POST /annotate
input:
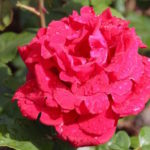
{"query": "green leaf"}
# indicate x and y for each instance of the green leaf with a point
(144, 136)
(101, 147)
(17, 145)
(6, 14)
(5, 73)
(120, 141)
(7, 47)
(141, 24)
(146, 147)
(24, 37)
(22, 70)
(134, 142)
(116, 147)
(9, 42)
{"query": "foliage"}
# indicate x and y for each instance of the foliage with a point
(8, 49)
(141, 24)
(6, 13)
(122, 141)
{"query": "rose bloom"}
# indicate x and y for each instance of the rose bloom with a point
(84, 73)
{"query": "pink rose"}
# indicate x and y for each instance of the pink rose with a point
(84, 72)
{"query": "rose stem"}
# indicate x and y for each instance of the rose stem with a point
(29, 8)
(42, 14)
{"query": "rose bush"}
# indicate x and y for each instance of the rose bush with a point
(84, 73)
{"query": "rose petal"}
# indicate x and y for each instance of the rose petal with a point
(98, 124)
(69, 133)
(120, 87)
(29, 99)
(94, 104)
(98, 46)
(51, 116)
(134, 102)
(131, 106)
(46, 79)
(28, 108)
(97, 84)
(146, 62)
(64, 98)
(106, 14)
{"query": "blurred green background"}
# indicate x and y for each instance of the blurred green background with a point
(17, 27)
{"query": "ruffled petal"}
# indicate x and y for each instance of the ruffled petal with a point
(70, 133)
(120, 87)
(51, 116)
(31, 101)
(135, 102)
(65, 98)
(94, 104)
(98, 124)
